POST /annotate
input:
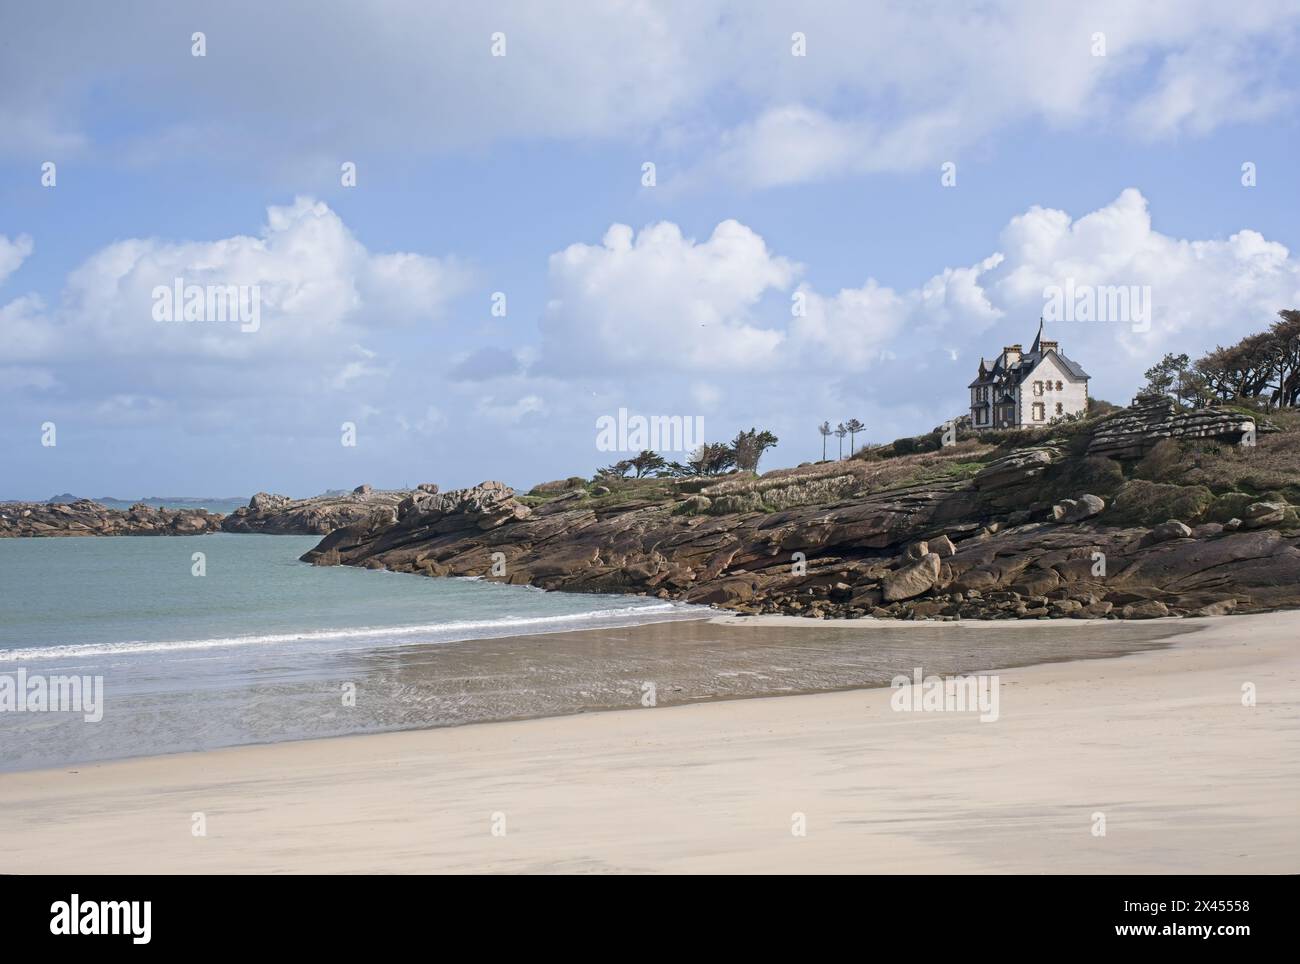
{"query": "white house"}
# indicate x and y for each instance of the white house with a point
(1019, 389)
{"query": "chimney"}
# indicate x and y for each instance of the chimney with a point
(1045, 345)
(1010, 355)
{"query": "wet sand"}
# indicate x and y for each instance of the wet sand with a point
(1187, 778)
(191, 702)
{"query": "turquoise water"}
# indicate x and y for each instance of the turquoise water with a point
(264, 649)
(254, 650)
(90, 599)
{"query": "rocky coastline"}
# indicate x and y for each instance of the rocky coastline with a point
(280, 515)
(87, 518)
(1073, 521)
(1149, 511)
(265, 513)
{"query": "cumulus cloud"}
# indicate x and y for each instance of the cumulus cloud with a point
(656, 297)
(658, 301)
(1202, 291)
(13, 254)
(316, 289)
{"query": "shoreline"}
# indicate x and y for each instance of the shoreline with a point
(510, 676)
(1188, 779)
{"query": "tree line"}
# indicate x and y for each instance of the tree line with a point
(1262, 367)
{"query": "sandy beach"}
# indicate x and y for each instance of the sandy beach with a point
(1159, 742)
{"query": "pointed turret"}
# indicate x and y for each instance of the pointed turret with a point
(1038, 339)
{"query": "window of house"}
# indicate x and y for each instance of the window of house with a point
(1060, 409)
(1059, 386)
(1038, 388)
(1038, 411)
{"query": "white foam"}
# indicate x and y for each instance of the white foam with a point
(444, 632)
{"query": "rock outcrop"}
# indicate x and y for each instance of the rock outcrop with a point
(280, 515)
(975, 532)
(1151, 418)
(86, 518)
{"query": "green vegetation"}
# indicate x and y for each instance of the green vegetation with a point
(1150, 503)
(1263, 367)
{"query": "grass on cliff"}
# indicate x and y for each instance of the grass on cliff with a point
(605, 494)
(1193, 480)
(1271, 466)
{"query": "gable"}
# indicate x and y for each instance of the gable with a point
(1051, 366)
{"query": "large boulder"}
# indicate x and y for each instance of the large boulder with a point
(1173, 529)
(1261, 514)
(943, 546)
(1145, 609)
(1015, 469)
(913, 579)
(1076, 510)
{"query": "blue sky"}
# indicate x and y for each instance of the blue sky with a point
(775, 174)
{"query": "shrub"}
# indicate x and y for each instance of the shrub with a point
(1139, 502)
(1165, 461)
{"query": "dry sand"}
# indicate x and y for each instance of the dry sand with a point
(1189, 780)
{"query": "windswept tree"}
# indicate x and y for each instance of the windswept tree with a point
(616, 471)
(748, 447)
(1286, 336)
(647, 462)
(1167, 375)
(854, 427)
(1264, 366)
(841, 430)
(825, 429)
(711, 458)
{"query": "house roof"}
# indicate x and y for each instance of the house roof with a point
(1013, 374)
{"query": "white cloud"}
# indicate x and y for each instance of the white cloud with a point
(884, 86)
(660, 302)
(849, 329)
(511, 411)
(317, 288)
(660, 299)
(361, 366)
(27, 331)
(1205, 86)
(1202, 291)
(13, 254)
(890, 88)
